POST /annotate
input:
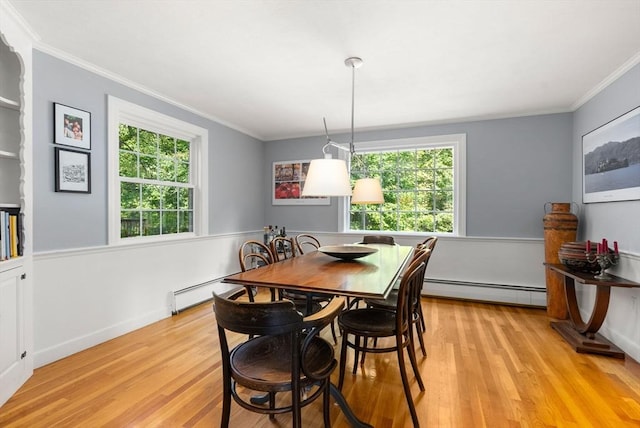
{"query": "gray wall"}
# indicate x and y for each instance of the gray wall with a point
(514, 166)
(68, 220)
(617, 221)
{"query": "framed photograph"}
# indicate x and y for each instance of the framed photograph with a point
(611, 160)
(72, 127)
(288, 181)
(73, 171)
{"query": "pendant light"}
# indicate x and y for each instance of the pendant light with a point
(330, 177)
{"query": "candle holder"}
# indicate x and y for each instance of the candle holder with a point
(605, 261)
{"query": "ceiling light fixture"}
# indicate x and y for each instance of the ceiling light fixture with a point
(330, 177)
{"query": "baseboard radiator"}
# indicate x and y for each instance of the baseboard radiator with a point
(194, 295)
(486, 292)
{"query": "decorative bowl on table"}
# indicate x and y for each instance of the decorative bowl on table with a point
(573, 256)
(347, 252)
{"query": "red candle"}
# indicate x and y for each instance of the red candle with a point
(599, 248)
(588, 246)
(615, 247)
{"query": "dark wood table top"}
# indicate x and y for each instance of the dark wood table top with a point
(369, 277)
(588, 278)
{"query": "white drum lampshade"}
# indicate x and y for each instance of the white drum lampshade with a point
(367, 191)
(327, 177)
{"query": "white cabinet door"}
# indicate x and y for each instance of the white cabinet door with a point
(13, 367)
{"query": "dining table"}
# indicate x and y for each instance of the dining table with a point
(371, 276)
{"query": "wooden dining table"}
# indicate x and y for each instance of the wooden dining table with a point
(371, 276)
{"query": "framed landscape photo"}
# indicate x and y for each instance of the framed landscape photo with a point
(611, 160)
(287, 184)
(73, 171)
(72, 127)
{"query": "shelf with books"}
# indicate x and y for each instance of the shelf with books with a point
(10, 233)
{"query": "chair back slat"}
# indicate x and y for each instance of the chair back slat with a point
(283, 248)
(306, 242)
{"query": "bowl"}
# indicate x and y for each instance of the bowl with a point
(572, 255)
(347, 252)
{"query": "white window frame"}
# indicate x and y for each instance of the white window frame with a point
(120, 111)
(459, 144)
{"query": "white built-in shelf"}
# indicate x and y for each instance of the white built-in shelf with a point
(6, 102)
(3, 205)
(9, 155)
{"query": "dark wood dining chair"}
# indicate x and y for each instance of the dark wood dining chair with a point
(285, 356)
(252, 255)
(306, 242)
(285, 248)
(364, 323)
(378, 239)
(391, 302)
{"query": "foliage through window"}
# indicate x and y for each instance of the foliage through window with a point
(156, 196)
(419, 187)
(157, 179)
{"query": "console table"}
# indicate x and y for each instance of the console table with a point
(583, 336)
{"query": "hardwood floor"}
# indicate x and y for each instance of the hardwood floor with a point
(487, 366)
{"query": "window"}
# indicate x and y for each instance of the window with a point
(422, 181)
(157, 177)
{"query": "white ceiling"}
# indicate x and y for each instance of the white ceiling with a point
(274, 68)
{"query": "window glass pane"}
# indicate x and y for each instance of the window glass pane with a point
(169, 222)
(129, 224)
(185, 221)
(151, 223)
(166, 169)
(128, 164)
(425, 179)
(149, 167)
(444, 222)
(148, 142)
(185, 198)
(183, 150)
(150, 197)
(128, 137)
(444, 200)
(406, 222)
(406, 201)
(444, 158)
(129, 195)
(182, 173)
(407, 179)
(169, 198)
(167, 146)
(426, 223)
(407, 159)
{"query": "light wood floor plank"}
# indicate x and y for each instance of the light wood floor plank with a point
(487, 366)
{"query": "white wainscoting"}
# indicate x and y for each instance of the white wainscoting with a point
(87, 296)
(504, 270)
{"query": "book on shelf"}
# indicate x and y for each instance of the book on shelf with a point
(10, 233)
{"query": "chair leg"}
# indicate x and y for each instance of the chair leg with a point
(414, 363)
(325, 404)
(405, 384)
(249, 292)
(420, 333)
(356, 341)
(343, 359)
(424, 327)
(226, 404)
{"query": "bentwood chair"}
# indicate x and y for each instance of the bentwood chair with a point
(252, 255)
(390, 303)
(306, 243)
(376, 323)
(285, 356)
(307, 302)
(378, 239)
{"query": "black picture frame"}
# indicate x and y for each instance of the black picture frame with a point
(72, 127)
(72, 171)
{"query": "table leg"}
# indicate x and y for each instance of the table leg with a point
(583, 335)
(344, 406)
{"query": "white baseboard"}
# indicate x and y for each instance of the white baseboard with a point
(486, 292)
